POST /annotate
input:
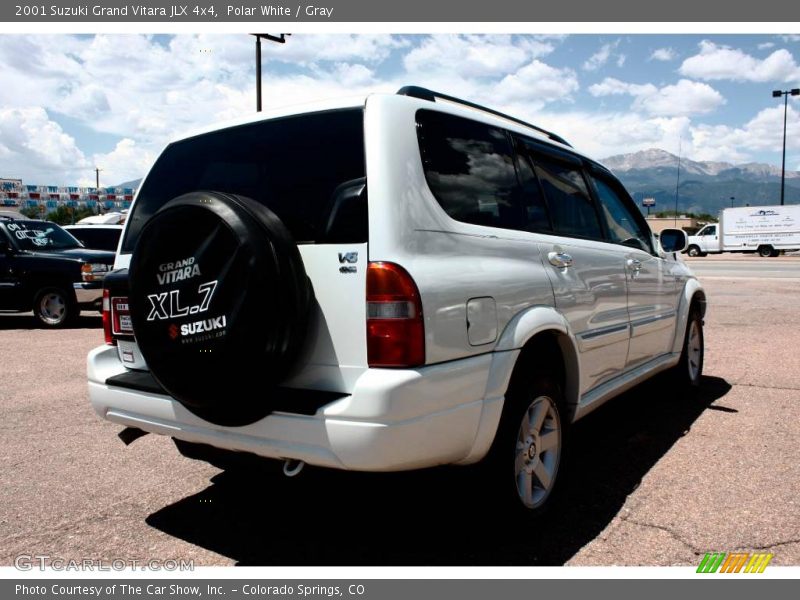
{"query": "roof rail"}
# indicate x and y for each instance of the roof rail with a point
(425, 94)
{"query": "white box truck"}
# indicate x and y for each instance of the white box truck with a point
(767, 230)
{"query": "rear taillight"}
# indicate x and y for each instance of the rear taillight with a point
(107, 318)
(121, 316)
(116, 317)
(395, 329)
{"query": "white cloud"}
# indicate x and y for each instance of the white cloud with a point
(473, 55)
(536, 83)
(128, 160)
(766, 46)
(664, 54)
(681, 99)
(616, 133)
(764, 132)
(722, 62)
(34, 147)
(602, 56)
(614, 87)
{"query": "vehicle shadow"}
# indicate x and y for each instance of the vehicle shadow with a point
(86, 320)
(438, 516)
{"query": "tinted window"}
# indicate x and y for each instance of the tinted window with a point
(622, 224)
(98, 239)
(571, 208)
(40, 235)
(469, 167)
(291, 165)
(532, 199)
(710, 230)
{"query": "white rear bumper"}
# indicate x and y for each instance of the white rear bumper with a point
(393, 420)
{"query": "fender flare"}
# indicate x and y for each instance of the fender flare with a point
(691, 289)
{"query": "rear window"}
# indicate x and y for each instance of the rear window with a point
(295, 166)
(469, 167)
(98, 239)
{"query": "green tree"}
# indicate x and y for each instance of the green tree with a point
(32, 212)
(66, 215)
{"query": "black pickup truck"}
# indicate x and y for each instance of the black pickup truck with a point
(45, 269)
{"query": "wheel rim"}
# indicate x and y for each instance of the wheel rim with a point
(694, 351)
(52, 308)
(538, 452)
(693, 252)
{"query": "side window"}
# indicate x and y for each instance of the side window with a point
(710, 230)
(623, 227)
(568, 200)
(534, 208)
(469, 167)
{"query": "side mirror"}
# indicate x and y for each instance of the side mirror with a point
(673, 240)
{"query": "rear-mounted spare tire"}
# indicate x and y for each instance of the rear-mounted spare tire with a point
(219, 301)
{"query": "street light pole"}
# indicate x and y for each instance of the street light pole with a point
(785, 94)
(280, 39)
(732, 199)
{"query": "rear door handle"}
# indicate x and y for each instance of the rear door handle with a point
(560, 259)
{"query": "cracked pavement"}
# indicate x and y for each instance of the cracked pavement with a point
(732, 483)
(653, 479)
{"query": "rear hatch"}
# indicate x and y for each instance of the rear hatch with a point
(310, 171)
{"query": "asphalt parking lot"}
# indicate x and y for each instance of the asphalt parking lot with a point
(655, 478)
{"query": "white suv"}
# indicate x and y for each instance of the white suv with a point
(407, 281)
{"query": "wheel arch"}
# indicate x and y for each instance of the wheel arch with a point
(693, 295)
(537, 332)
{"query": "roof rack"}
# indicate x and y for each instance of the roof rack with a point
(422, 93)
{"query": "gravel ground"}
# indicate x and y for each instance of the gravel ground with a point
(653, 479)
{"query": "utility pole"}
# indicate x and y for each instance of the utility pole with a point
(280, 39)
(97, 186)
(785, 94)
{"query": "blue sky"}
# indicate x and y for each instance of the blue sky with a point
(69, 102)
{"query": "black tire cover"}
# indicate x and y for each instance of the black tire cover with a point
(219, 301)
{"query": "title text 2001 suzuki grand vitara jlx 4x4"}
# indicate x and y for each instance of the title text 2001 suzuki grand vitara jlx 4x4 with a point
(407, 282)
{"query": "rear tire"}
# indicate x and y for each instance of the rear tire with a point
(54, 308)
(523, 466)
(765, 251)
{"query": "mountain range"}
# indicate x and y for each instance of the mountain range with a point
(705, 186)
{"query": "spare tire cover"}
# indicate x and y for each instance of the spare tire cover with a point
(219, 302)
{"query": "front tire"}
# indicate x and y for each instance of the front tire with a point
(54, 308)
(693, 251)
(527, 455)
(689, 370)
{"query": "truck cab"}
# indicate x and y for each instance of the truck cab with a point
(705, 241)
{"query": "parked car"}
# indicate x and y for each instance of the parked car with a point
(97, 237)
(45, 269)
(109, 218)
(388, 285)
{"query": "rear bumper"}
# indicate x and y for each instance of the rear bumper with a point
(393, 420)
(88, 293)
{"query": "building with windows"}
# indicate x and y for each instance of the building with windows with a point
(16, 195)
